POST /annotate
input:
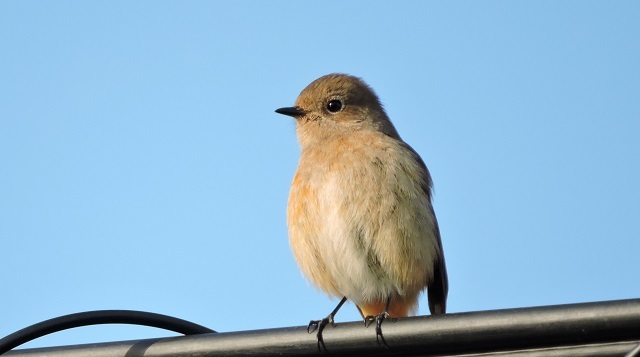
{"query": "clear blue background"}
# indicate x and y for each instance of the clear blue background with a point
(142, 165)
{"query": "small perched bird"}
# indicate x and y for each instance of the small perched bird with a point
(361, 224)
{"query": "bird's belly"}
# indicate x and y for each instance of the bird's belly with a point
(357, 237)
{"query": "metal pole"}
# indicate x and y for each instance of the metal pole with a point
(610, 328)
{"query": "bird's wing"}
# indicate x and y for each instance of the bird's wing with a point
(438, 287)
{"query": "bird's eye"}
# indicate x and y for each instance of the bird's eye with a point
(334, 106)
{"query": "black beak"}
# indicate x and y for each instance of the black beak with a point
(291, 111)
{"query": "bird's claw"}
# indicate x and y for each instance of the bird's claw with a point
(379, 319)
(313, 325)
(368, 320)
(320, 325)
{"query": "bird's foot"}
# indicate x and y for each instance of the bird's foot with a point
(379, 319)
(320, 325)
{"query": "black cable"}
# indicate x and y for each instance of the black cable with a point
(100, 317)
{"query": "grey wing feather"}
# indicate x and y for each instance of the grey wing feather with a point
(438, 287)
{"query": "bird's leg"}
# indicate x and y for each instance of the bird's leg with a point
(379, 319)
(320, 324)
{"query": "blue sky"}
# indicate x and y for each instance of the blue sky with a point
(143, 167)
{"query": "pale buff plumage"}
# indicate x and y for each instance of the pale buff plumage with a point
(360, 219)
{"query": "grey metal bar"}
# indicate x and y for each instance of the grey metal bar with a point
(610, 328)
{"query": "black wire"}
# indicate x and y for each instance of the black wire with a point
(100, 317)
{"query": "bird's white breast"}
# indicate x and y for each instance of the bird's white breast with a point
(360, 223)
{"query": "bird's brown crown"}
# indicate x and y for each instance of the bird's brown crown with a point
(343, 99)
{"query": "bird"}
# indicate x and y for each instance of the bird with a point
(360, 218)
